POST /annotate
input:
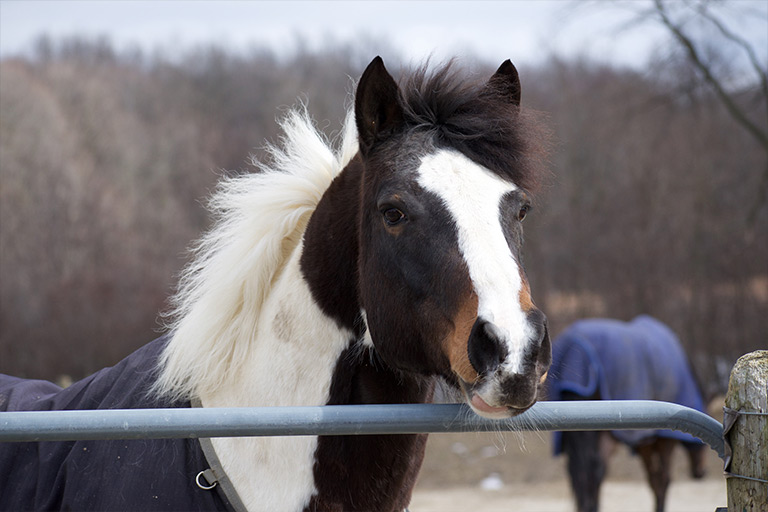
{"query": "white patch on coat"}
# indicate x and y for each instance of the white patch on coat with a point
(245, 330)
(276, 473)
(473, 196)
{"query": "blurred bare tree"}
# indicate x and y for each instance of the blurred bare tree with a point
(105, 158)
(712, 57)
(647, 212)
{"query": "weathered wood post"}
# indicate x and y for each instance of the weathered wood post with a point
(746, 408)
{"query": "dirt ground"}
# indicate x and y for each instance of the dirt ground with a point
(483, 472)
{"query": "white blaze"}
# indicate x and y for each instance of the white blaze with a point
(473, 196)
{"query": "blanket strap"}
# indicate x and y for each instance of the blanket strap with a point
(215, 475)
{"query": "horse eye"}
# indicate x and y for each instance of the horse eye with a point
(523, 212)
(393, 216)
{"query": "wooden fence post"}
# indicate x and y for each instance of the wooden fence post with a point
(747, 406)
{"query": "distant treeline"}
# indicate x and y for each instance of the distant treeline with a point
(106, 158)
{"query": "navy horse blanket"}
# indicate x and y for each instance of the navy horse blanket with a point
(613, 360)
(130, 475)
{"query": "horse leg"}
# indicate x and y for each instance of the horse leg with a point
(607, 446)
(586, 467)
(656, 457)
(697, 458)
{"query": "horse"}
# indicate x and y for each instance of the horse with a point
(362, 271)
(608, 359)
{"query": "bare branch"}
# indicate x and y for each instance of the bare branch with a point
(749, 49)
(736, 112)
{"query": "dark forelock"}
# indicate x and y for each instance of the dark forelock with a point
(476, 119)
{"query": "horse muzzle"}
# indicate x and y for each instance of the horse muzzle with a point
(508, 381)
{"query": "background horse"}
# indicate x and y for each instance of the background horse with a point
(353, 276)
(612, 360)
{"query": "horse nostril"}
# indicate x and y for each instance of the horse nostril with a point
(545, 349)
(538, 321)
(486, 347)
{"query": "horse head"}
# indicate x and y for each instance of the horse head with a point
(446, 184)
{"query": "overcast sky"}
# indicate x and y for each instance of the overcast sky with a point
(524, 31)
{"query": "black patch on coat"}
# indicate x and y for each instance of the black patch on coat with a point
(369, 472)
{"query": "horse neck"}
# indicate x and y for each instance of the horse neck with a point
(294, 351)
(308, 317)
(330, 255)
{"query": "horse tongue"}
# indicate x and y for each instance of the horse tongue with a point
(480, 404)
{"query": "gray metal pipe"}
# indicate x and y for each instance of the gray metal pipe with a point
(352, 420)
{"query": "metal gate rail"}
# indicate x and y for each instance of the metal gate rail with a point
(352, 420)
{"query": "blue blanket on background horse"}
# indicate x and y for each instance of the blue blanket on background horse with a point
(614, 360)
(144, 474)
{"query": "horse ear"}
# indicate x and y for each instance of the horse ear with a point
(507, 82)
(377, 108)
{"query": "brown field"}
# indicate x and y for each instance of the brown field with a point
(483, 472)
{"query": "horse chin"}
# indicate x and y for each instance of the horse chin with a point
(482, 408)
